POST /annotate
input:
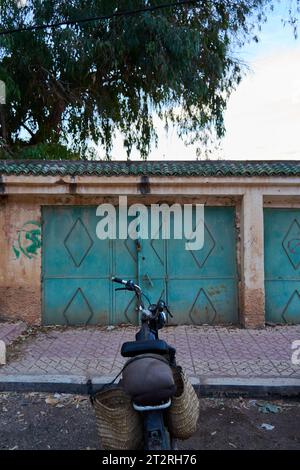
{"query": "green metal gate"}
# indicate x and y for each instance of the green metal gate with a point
(200, 286)
(282, 265)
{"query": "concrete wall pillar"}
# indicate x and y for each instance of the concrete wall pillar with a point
(3, 244)
(252, 237)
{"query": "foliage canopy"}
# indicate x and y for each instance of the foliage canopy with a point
(72, 87)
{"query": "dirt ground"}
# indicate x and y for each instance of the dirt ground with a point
(60, 421)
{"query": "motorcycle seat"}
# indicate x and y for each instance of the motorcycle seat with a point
(154, 346)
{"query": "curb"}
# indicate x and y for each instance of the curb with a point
(253, 387)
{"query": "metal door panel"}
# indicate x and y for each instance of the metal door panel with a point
(282, 265)
(71, 247)
(124, 266)
(203, 301)
(202, 285)
(218, 255)
(77, 268)
(76, 301)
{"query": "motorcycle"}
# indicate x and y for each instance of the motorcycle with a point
(153, 410)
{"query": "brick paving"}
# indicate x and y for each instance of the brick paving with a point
(9, 332)
(202, 351)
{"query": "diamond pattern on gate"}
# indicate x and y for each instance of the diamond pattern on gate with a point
(291, 244)
(201, 256)
(131, 309)
(78, 311)
(78, 242)
(291, 312)
(157, 247)
(203, 310)
(131, 245)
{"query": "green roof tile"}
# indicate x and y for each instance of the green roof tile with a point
(217, 168)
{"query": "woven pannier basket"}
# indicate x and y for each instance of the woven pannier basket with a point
(119, 426)
(183, 413)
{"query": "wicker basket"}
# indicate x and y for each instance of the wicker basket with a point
(119, 426)
(183, 414)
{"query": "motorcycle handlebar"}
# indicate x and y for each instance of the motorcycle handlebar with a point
(120, 281)
(129, 285)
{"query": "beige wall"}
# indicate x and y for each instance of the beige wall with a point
(20, 274)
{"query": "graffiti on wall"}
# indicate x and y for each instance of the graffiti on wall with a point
(28, 240)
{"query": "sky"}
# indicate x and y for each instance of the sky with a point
(262, 119)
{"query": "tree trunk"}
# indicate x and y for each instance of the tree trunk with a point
(49, 127)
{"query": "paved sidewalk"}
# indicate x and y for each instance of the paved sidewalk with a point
(202, 351)
(9, 332)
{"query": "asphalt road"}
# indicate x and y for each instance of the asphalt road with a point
(43, 421)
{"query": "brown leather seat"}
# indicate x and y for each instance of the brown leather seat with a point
(148, 379)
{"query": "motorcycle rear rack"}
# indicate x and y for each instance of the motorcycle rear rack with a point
(163, 406)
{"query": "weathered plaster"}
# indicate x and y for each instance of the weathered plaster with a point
(45, 200)
(291, 202)
(103, 185)
(252, 233)
(21, 303)
(21, 262)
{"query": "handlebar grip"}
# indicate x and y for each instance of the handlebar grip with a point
(120, 281)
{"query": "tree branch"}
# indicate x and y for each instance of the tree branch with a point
(27, 129)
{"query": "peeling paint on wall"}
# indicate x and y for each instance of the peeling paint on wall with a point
(28, 240)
